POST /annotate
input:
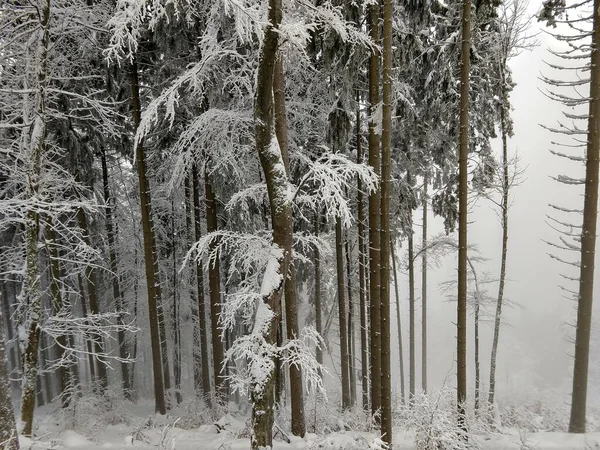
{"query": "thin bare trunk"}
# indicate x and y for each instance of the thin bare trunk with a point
(175, 312)
(339, 246)
(351, 340)
(477, 371)
(362, 292)
(88, 342)
(588, 241)
(424, 290)
(399, 321)
(318, 312)
(411, 314)
(90, 278)
(116, 288)
(504, 214)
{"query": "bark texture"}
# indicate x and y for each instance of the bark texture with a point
(8, 430)
(272, 164)
(588, 241)
(150, 256)
(461, 322)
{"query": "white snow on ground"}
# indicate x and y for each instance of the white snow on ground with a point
(142, 430)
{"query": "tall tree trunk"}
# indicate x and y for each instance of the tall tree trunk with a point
(175, 312)
(339, 247)
(90, 277)
(202, 330)
(193, 285)
(461, 308)
(214, 284)
(386, 179)
(350, 323)
(150, 256)
(57, 306)
(291, 312)
(399, 320)
(476, 338)
(162, 328)
(318, 307)
(411, 313)
(271, 161)
(9, 439)
(588, 241)
(116, 288)
(374, 218)
(362, 291)
(30, 291)
(424, 290)
(504, 217)
(88, 342)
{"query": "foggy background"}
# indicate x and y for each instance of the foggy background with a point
(534, 356)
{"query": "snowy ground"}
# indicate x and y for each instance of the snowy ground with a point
(142, 430)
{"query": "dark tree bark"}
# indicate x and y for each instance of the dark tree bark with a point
(214, 284)
(386, 179)
(374, 219)
(350, 324)
(339, 251)
(463, 152)
(150, 255)
(411, 312)
(588, 241)
(175, 312)
(362, 291)
(291, 313)
(271, 161)
(88, 342)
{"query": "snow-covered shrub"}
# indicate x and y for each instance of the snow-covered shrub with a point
(433, 419)
(537, 410)
(90, 413)
(325, 416)
(348, 441)
(193, 412)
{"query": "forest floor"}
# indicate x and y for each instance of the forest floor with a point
(137, 428)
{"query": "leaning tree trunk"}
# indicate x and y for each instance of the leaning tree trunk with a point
(271, 161)
(399, 320)
(374, 218)
(588, 241)
(362, 292)
(150, 256)
(504, 218)
(339, 252)
(9, 439)
(386, 180)
(461, 308)
(116, 288)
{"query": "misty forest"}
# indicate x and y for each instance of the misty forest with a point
(299, 224)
